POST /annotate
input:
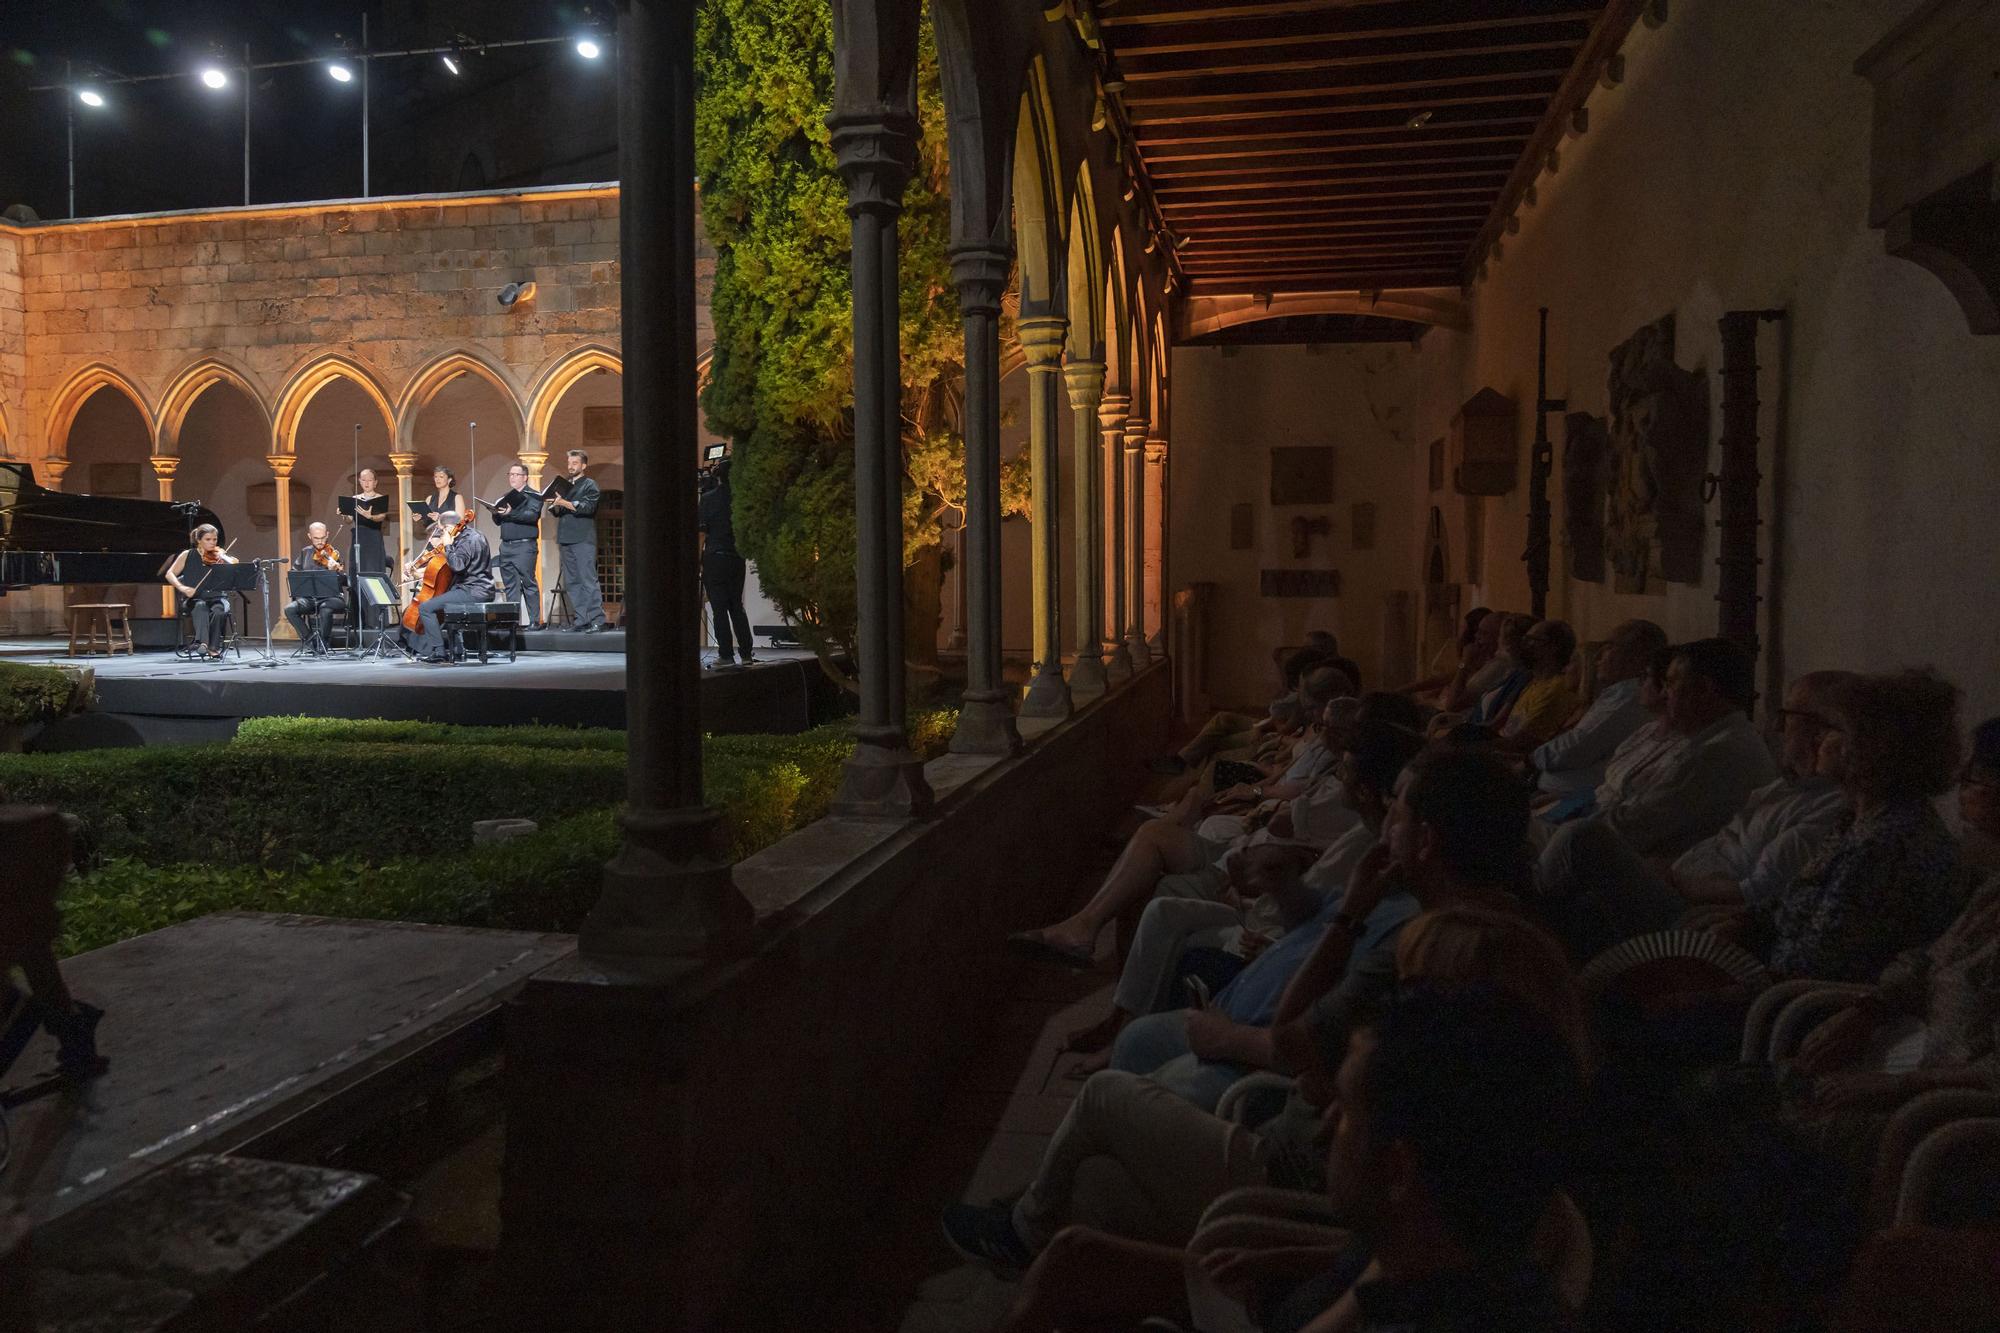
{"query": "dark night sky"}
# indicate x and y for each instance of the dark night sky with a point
(174, 144)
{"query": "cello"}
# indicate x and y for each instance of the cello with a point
(434, 580)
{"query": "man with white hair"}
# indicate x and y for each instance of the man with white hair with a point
(312, 618)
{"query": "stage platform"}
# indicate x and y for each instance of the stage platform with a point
(256, 1034)
(160, 700)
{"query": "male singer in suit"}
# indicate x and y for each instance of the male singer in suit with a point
(576, 539)
(520, 526)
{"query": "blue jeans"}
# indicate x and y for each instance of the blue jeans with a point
(1156, 1045)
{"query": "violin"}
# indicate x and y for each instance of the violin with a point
(221, 557)
(326, 557)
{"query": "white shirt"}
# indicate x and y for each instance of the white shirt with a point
(1329, 874)
(1692, 789)
(1770, 838)
(1575, 760)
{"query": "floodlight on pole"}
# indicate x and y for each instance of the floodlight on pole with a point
(214, 79)
(90, 97)
(340, 73)
(450, 63)
(588, 48)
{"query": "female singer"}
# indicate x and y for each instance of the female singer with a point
(371, 511)
(209, 610)
(446, 501)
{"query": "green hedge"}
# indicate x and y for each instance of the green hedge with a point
(30, 694)
(238, 826)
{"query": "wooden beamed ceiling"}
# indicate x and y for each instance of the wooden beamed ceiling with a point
(1336, 145)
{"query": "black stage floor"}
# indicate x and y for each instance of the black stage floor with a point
(582, 684)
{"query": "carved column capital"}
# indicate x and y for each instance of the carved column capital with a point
(1112, 410)
(1135, 435)
(165, 465)
(980, 273)
(1156, 450)
(282, 464)
(52, 469)
(405, 464)
(876, 151)
(1042, 338)
(1086, 383)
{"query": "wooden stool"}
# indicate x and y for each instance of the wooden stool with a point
(93, 622)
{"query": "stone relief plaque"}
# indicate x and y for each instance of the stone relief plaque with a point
(1300, 583)
(1658, 457)
(1302, 475)
(1361, 526)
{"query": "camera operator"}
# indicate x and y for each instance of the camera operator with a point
(723, 569)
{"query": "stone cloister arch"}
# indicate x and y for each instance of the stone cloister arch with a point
(551, 387)
(430, 380)
(305, 383)
(69, 400)
(187, 386)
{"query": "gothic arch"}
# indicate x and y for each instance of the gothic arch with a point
(190, 384)
(76, 391)
(1117, 340)
(1038, 205)
(1139, 358)
(1202, 315)
(1086, 272)
(307, 381)
(430, 379)
(556, 381)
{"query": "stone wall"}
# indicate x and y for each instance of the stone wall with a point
(1731, 172)
(13, 346)
(1232, 406)
(695, 1155)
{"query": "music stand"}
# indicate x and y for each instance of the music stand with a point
(374, 592)
(315, 586)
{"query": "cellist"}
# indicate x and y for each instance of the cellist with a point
(463, 552)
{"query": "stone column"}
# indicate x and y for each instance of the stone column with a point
(1158, 597)
(1111, 421)
(667, 893)
(281, 471)
(986, 716)
(545, 551)
(1086, 392)
(405, 465)
(1135, 541)
(164, 468)
(1042, 340)
(876, 150)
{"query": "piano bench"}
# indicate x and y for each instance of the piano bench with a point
(484, 620)
(95, 623)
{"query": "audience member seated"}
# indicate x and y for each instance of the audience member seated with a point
(1548, 701)
(1678, 791)
(1887, 879)
(1227, 731)
(1595, 891)
(1174, 922)
(1933, 1018)
(1489, 707)
(1482, 667)
(1446, 1136)
(1574, 759)
(1444, 667)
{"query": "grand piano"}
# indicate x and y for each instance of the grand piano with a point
(47, 537)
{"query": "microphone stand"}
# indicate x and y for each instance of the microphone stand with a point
(354, 612)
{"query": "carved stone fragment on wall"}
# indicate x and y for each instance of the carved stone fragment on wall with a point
(1586, 476)
(1659, 455)
(1486, 445)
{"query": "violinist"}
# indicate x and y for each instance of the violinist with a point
(466, 554)
(317, 553)
(208, 610)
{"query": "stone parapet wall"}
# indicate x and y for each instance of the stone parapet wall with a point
(692, 1155)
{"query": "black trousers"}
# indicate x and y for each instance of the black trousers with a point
(722, 575)
(299, 610)
(517, 571)
(211, 621)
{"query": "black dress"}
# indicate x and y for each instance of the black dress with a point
(369, 515)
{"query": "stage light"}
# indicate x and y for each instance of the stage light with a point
(588, 49)
(214, 78)
(340, 73)
(450, 64)
(90, 97)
